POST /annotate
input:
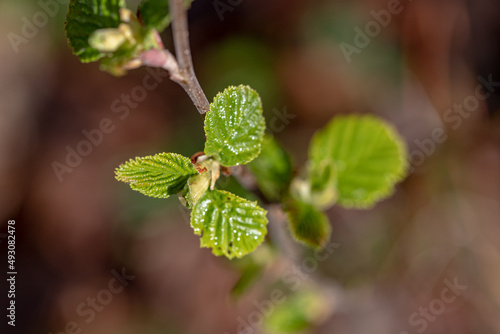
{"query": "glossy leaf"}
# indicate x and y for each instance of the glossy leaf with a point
(308, 225)
(368, 154)
(157, 176)
(230, 225)
(234, 126)
(84, 18)
(272, 169)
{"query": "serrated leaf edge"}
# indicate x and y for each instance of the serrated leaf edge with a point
(251, 158)
(398, 176)
(200, 232)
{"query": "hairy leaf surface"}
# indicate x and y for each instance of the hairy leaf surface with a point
(234, 126)
(230, 225)
(159, 176)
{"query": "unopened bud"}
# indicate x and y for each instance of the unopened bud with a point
(126, 15)
(107, 40)
(126, 30)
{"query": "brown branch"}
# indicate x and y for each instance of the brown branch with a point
(183, 54)
(180, 67)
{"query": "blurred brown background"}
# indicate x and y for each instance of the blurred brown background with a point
(423, 71)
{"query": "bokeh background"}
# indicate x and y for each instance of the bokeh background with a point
(391, 265)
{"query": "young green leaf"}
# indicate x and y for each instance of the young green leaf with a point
(368, 154)
(230, 225)
(308, 225)
(319, 187)
(157, 176)
(84, 18)
(156, 14)
(272, 169)
(234, 126)
(196, 186)
(322, 176)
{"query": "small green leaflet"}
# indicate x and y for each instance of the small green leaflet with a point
(319, 186)
(272, 169)
(322, 176)
(368, 154)
(196, 187)
(230, 225)
(157, 176)
(86, 16)
(308, 225)
(234, 126)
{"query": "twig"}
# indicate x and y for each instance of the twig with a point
(181, 34)
(163, 59)
(183, 54)
(181, 69)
